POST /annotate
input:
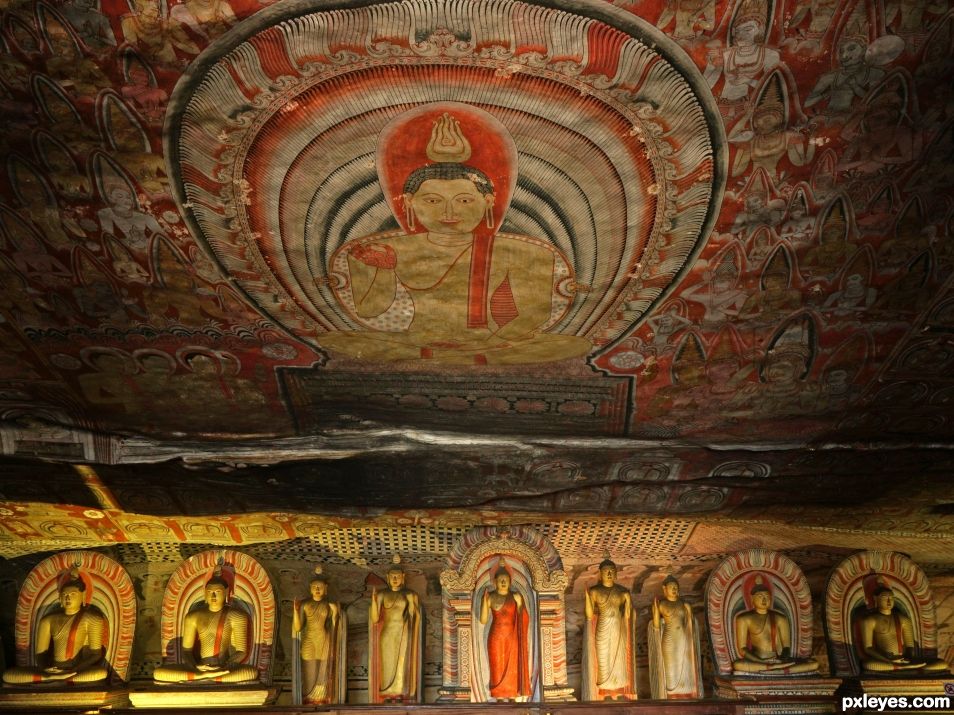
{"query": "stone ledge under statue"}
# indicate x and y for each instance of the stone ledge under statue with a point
(761, 624)
(882, 627)
(217, 629)
(75, 622)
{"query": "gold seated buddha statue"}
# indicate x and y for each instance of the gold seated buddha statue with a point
(886, 639)
(221, 633)
(69, 643)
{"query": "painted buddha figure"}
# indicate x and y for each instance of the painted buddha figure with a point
(763, 638)
(219, 632)
(69, 644)
(448, 287)
(886, 639)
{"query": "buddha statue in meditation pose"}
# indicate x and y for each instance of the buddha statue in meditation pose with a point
(448, 287)
(763, 638)
(69, 643)
(886, 639)
(219, 632)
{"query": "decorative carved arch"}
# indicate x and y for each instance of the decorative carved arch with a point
(507, 543)
(537, 567)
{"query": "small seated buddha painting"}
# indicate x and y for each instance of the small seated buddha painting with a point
(449, 286)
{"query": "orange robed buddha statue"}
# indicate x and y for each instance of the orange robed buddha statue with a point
(69, 641)
(221, 633)
(887, 639)
(448, 287)
(507, 639)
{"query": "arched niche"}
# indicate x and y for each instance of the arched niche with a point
(845, 598)
(109, 591)
(537, 573)
(726, 598)
(251, 591)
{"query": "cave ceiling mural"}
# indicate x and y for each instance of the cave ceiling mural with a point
(681, 256)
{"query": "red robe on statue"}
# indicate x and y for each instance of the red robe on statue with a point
(507, 651)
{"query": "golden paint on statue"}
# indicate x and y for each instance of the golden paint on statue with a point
(69, 642)
(449, 288)
(608, 666)
(320, 629)
(674, 661)
(763, 638)
(395, 637)
(221, 633)
(886, 639)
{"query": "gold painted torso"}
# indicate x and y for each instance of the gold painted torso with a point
(315, 632)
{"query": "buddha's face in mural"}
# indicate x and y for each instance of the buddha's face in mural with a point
(767, 122)
(722, 283)
(885, 601)
(202, 365)
(215, 596)
(850, 53)
(747, 32)
(147, 10)
(71, 598)
(776, 282)
(121, 198)
(670, 590)
(836, 380)
(155, 365)
(783, 370)
(110, 364)
(318, 590)
(608, 575)
(719, 371)
(449, 206)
